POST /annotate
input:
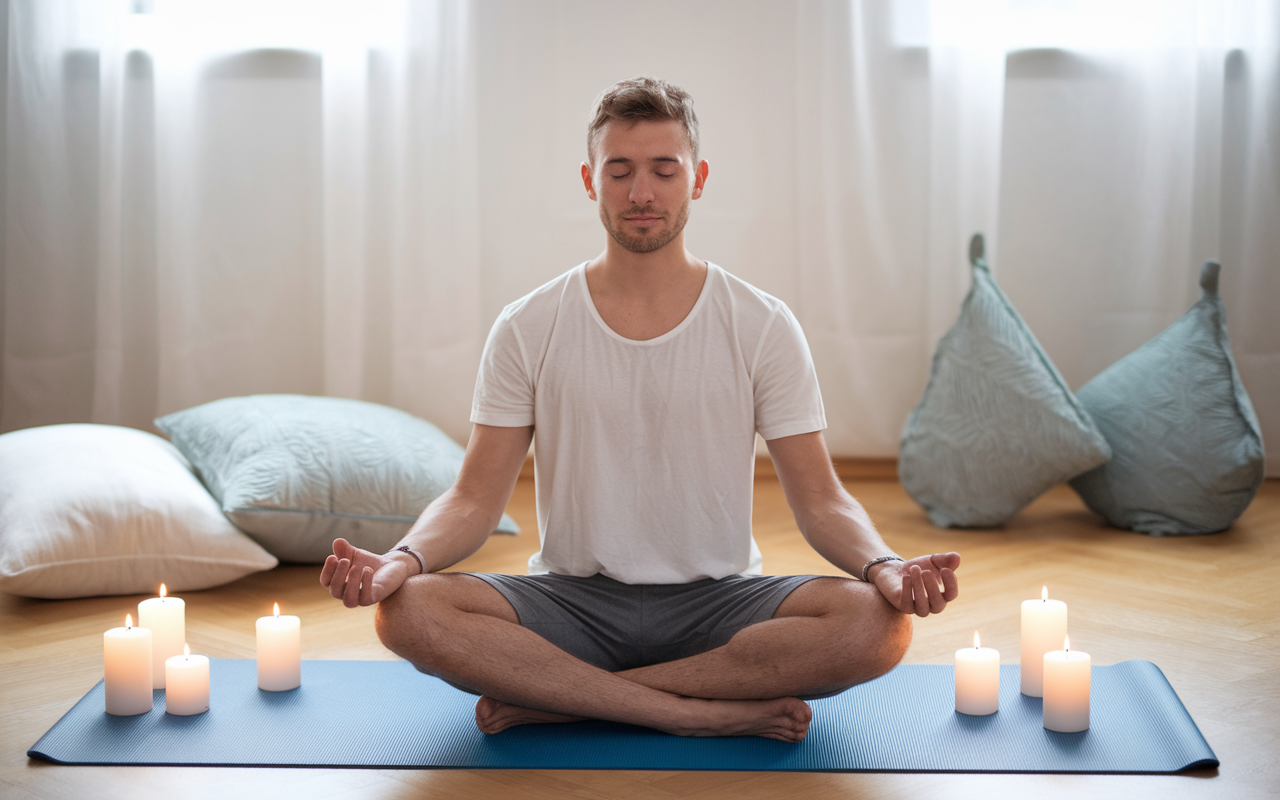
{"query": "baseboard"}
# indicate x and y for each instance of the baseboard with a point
(848, 469)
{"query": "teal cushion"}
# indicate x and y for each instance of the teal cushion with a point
(997, 425)
(297, 472)
(1187, 449)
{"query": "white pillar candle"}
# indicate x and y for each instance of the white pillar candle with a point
(977, 679)
(126, 661)
(1066, 689)
(166, 618)
(1044, 623)
(186, 684)
(279, 652)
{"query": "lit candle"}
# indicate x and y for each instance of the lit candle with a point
(126, 657)
(1044, 623)
(977, 679)
(279, 652)
(1066, 689)
(187, 684)
(166, 618)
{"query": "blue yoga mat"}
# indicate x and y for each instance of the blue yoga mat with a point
(386, 714)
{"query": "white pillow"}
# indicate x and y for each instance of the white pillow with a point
(97, 509)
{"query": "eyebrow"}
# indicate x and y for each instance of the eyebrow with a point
(621, 160)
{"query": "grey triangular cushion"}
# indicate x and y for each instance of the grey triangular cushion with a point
(997, 425)
(1187, 449)
(297, 472)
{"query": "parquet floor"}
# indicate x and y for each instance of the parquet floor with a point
(1204, 609)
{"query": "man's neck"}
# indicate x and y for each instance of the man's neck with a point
(643, 295)
(645, 276)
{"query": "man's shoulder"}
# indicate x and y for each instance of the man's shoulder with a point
(746, 296)
(542, 302)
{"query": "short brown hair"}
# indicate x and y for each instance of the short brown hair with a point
(640, 99)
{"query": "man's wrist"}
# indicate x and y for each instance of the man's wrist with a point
(410, 557)
(873, 566)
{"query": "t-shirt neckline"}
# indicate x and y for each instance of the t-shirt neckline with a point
(684, 323)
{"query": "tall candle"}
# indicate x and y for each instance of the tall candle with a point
(126, 661)
(187, 684)
(1044, 623)
(977, 679)
(279, 652)
(166, 618)
(1066, 689)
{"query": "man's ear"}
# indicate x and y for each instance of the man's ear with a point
(586, 180)
(700, 178)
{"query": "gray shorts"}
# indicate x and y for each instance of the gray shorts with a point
(617, 626)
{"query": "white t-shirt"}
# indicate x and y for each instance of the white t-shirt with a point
(645, 450)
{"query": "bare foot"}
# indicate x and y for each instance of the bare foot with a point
(785, 719)
(493, 716)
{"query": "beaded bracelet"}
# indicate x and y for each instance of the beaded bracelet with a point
(869, 564)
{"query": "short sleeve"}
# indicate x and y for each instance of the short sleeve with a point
(504, 389)
(787, 398)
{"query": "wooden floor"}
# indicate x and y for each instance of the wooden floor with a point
(1202, 608)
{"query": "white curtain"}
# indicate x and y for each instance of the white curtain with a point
(207, 198)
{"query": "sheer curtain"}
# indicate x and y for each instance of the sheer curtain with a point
(207, 198)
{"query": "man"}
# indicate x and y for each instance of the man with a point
(647, 374)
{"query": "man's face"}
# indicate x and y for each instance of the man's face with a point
(643, 180)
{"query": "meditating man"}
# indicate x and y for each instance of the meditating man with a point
(645, 374)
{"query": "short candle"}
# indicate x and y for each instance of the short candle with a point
(126, 661)
(977, 679)
(187, 684)
(1066, 689)
(279, 652)
(1044, 623)
(166, 618)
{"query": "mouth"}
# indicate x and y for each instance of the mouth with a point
(643, 219)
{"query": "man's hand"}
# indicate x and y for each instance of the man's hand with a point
(922, 586)
(360, 578)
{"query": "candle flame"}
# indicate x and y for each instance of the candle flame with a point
(277, 609)
(976, 641)
(1044, 593)
(128, 621)
(186, 649)
(163, 591)
(1066, 644)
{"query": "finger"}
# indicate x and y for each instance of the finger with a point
(366, 586)
(903, 603)
(339, 583)
(342, 548)
(945, 560)
(918, 592)
(326, 572)
(950, 585)
(936, 601)
(351, 597)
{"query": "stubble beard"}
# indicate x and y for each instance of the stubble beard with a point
(646, 243)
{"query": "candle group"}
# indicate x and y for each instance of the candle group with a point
(279, 652)
(154, 655)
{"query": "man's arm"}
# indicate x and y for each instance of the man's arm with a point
(453, 527)
(839, 529)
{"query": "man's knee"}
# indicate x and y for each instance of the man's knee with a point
(877, 634)
(405, 620)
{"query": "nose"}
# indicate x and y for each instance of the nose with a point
(641, 189)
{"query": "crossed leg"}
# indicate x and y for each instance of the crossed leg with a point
(828, 634)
